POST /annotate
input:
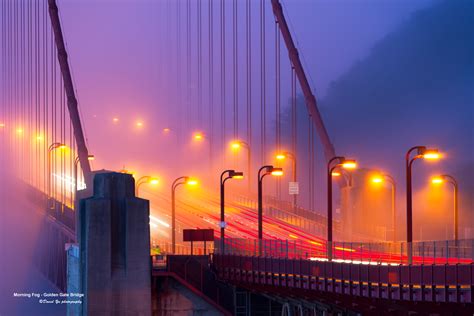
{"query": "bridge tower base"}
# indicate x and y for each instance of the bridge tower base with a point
(115, 248)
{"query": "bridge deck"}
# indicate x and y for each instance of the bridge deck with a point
(423, 283)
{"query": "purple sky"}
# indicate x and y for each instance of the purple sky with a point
(115, 55)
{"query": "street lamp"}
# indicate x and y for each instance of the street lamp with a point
(143, 180)
(421, 152)
(181, 180)
(283, 156)
(52, 147)
(267, 170)
(447, 178)
(236, 145)
(340, 162)
(380, 178)
(231, 174)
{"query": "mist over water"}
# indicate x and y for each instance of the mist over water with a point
(20, 224)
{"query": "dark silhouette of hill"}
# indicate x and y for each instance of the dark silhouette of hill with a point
(416, 84)
(416, 87)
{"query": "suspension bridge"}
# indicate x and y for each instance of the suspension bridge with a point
(251, 160)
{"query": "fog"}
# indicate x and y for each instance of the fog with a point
(388, 75)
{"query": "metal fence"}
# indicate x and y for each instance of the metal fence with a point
(198, 248)
(429, 252)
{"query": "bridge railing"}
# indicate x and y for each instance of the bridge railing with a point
(198, 248)
(428, 252)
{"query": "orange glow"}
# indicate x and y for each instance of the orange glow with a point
(39, 138)
(437, 180)
(62, 146)
(115, 120)
(377, 179)
(349, 164)
(139, 124)
(19, 130)
(235, 145)
(90, 157)
(280, 156)
(2, 125)
(277, 172)
(132, 173)
(191, 182)
(198, 136)
(166, 130)
(154, 181)
(431, 154)
(238, 177)
(336, 174)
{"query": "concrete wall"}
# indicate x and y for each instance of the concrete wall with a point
(171, 298)
(115, 248)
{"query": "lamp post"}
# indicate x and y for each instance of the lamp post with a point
(231, 174)
(176, 183)
(283, 156)
(421, 152)
(268, 169)
(236, 145)
(447, 178)
(334, 163)
(52, 147)
(379, 178)
(143, 180)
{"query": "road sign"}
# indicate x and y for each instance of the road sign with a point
(293, 188)
(198, 234)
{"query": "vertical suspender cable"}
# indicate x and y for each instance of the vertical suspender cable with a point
(199, 62)
(235, 55)
(249, 90)
(223, 96)
(262, 79)
(211, 75)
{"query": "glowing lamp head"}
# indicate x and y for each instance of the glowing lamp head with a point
(349, 164)
(278, 172)
(115, 120)
(237, 175)
(377, 179)
(90, 157)
(153, 181)
(2, 125)
(336, 174)
(166, 130)
(191, 181)
(235, 145)
(280, 157)
(431, 154)
(437, 180)
(62, 146)
(198, 136)
(139, 124)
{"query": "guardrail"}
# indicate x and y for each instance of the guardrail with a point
(433, 283)
(433, 252)
(197, 249)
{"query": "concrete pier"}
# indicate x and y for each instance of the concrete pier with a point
(115, 248)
